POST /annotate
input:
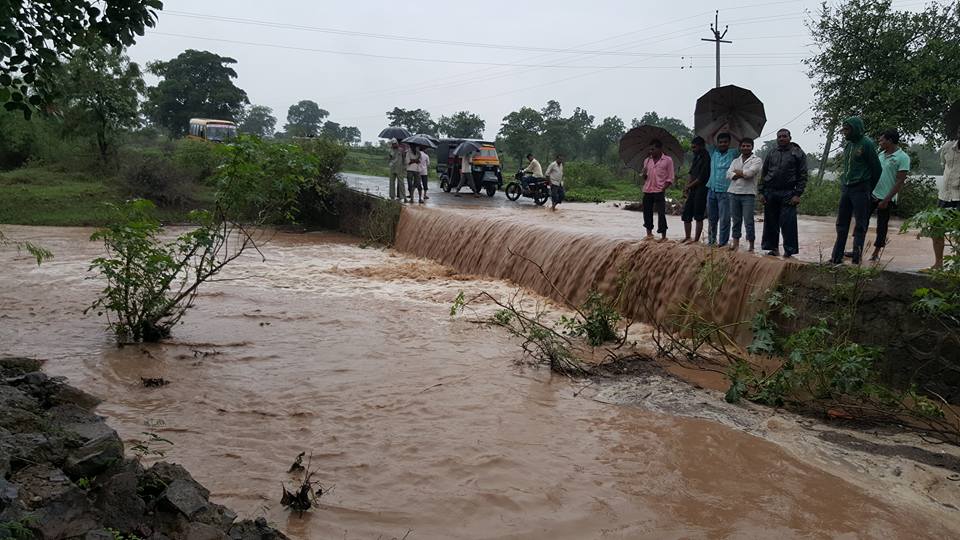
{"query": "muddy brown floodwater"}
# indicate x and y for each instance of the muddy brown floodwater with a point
(420, 421)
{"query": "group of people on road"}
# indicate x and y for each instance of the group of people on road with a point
(411, 164)
(723, 187)
(725, 184)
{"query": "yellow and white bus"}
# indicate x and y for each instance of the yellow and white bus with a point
(205, 129)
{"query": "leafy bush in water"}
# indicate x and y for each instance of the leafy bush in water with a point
(142, 270)
(597, 320)
(151, 282)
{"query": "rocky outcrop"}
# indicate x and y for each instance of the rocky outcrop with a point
(63, 474)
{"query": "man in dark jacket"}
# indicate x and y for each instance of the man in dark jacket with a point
(861, 171)
(784, 177)
(695, 207)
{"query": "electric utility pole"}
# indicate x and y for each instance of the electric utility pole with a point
(718, 39)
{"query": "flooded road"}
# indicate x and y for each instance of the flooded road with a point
(420, 422)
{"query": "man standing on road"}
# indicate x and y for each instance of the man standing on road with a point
(424, 172)
(398, 170)
(861, 171)
(895, 164)
(414, 156)
(554, 175)
(743, 174)
(783, 179)
(658, 174)
(695, 206)
(948, 196)
(466, 175)
(718, 201)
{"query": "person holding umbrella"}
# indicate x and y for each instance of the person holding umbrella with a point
(861, 171)
(783, 179)
(466, 175)
(718, 200)
(424, 172)
(658, 175)
(695, 207)
(413, 158)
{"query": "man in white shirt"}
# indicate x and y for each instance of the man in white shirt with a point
(413, 157)
(743, 174)
(424, 172)
(948, 196)
(533, 167)
(554, 175)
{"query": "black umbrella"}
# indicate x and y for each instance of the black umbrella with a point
(635, 145)
(952, 121)
(420, 140)
(394, 132)
(729, 108)
(466, 147)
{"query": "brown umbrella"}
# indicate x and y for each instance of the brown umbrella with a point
(729, 108)
(635, 145)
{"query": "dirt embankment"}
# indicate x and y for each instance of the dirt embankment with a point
(63, 473)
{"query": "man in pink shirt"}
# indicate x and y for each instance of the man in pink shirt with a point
(658, 174)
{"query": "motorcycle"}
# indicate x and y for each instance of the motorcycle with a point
(537, 189)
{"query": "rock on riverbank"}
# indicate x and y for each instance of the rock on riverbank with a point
(63, 474)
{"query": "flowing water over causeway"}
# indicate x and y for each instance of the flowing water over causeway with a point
(661, 275)
(421, 421)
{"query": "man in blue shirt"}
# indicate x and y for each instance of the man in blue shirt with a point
(718, 202)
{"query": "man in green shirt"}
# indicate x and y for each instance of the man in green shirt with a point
(895, 164)
(861, 171)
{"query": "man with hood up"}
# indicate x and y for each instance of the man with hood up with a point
(861, 171)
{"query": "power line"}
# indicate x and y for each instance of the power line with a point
(395, 37)
(429, 60)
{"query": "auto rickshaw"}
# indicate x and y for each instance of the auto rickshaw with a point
(485, 165)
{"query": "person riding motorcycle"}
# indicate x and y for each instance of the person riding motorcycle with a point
(533, 170)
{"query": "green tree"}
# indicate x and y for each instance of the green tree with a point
(599, 140)
(675, 126)
(462, 124)
(36, 36)
(343, 134)
(894, 68)
(520, 132)
(414, 120)
(101, 91)
(195, 84)
(350, 134)
(304, 119)
(565, 135)
(258, 120)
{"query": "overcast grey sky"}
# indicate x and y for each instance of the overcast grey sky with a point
(609, 57)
